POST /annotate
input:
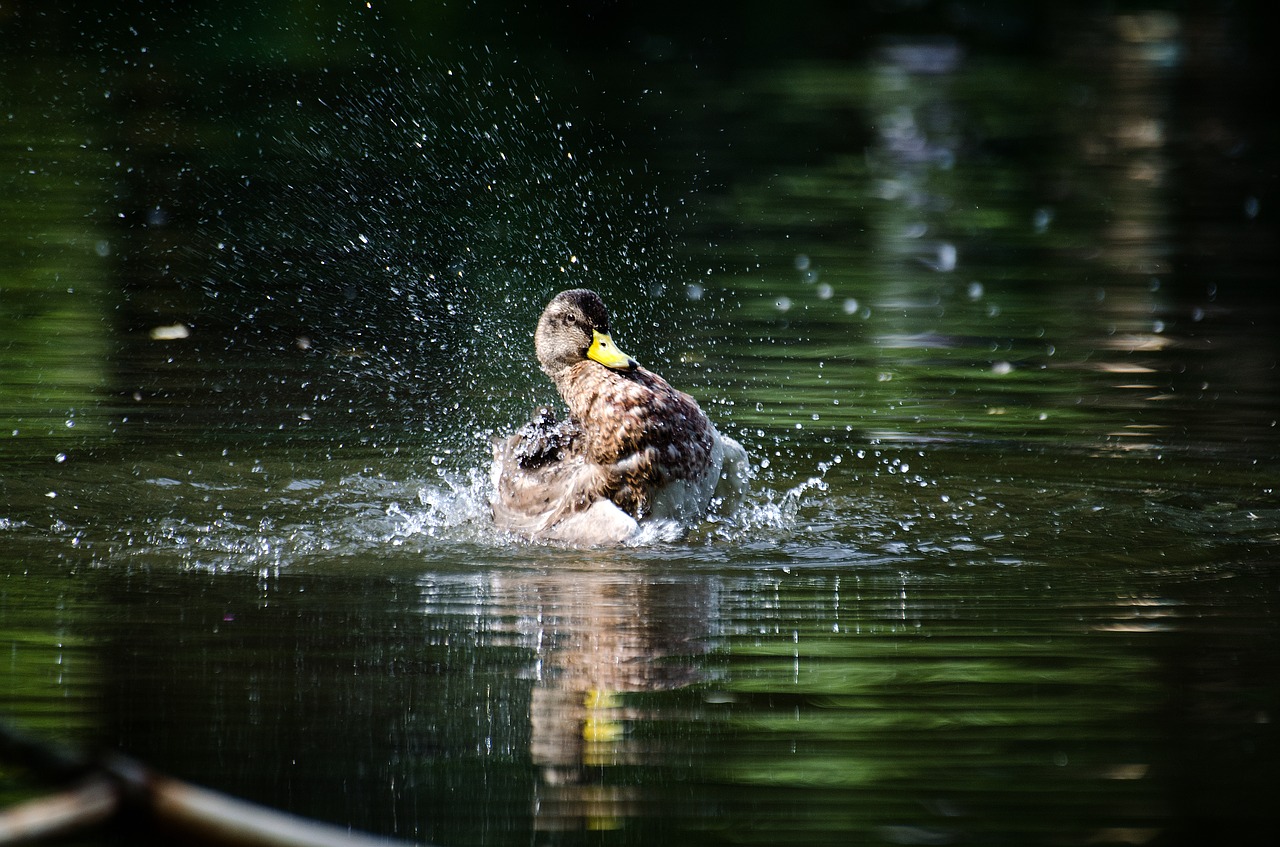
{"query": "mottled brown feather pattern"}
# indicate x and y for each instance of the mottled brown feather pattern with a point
(629, 437)
(647, 432)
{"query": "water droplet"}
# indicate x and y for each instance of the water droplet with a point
(947, 257)
(1041, 219)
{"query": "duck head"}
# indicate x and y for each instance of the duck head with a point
(575, 327)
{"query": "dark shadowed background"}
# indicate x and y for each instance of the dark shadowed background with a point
(987, 290)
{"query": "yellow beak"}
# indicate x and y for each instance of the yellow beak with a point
(603, 351)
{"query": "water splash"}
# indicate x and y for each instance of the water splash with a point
(457, 506)
(402, 225)
(457, 509)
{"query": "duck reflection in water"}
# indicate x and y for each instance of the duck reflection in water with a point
(603, 636)
(633, 450)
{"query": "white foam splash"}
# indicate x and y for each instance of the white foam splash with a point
(362, 513)
(458, 501)
(767, 511)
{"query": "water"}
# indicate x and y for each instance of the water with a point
(997, 330)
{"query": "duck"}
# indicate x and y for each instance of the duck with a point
(630, 451)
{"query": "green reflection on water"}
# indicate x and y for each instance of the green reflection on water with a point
(1031, 571)
(55, 337)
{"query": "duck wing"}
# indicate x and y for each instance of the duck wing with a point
(541, 476)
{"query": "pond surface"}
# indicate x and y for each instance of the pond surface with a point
(997, 330)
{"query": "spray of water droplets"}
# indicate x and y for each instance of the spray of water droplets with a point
(406, 224)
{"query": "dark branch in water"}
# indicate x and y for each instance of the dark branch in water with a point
(102, 791)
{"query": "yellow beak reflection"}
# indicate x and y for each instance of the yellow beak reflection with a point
(603, 351)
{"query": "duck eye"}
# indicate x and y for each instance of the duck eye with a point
(569, 320)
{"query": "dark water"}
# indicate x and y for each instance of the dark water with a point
(992, 310)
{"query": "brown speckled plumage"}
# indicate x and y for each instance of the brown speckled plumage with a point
(648, 431)
(629, 435)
